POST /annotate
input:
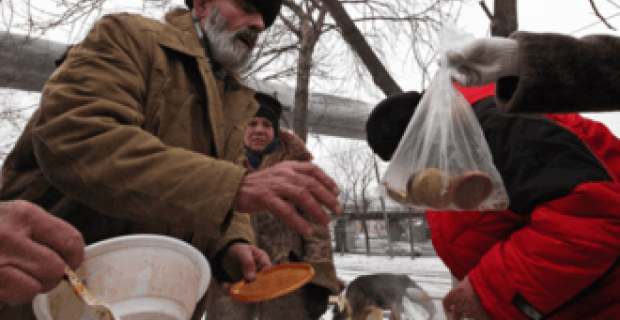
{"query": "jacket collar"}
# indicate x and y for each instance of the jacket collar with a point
(182, 34)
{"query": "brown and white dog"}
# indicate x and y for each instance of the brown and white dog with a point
(367, 296)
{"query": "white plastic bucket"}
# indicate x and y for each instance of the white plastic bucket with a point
(140, 276)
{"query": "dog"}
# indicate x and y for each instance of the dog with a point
(367, 296)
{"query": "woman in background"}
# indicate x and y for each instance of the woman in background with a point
(266, 145)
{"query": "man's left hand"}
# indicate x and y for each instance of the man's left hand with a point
(252, 260)
(463, 302)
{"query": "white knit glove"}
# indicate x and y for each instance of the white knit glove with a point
(484, 61)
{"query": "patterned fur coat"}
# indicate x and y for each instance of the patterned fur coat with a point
(279, 240)
(563, 74)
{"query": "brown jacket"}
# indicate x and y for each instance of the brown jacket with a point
(279, 240)
(134, 134)
(560, 73)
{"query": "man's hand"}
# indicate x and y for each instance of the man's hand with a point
(252, 260)
(463, 302)
(305, 184)
(484, 61)
(34, 249)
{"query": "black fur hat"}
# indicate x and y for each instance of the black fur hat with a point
(269, 9)
(270, 109)
(388, 121)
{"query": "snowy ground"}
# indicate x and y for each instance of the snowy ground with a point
(429, 272)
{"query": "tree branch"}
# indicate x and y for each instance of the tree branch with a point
(291, 27)
(486, 10)
(600, 16)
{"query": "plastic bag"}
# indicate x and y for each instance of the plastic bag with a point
(443, 161)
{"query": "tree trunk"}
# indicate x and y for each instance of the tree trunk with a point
(304, 64)
(358, 43)
(504, 18)
(341, 236)
(300, 116)
(365, 228)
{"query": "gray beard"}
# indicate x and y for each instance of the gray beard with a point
(223, 48)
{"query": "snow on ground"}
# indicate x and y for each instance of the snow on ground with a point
(429, 272)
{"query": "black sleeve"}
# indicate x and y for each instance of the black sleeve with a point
(538, 159)
(559, 73)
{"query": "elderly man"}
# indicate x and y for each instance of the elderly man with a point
(140, 130)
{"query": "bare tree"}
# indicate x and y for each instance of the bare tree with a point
(598, 14)
(504, 20)
(352, 167)
(15, 108)
(354, 37)
(307, 45)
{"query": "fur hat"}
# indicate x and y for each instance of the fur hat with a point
(270, 108)
(388, 121)
(269, 9)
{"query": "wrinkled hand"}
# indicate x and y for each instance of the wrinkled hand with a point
(305, 184)
(252, 260)
(484, 61)
(34, 249)
(463, 302)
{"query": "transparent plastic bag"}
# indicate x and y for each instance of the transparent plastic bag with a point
(443, 161)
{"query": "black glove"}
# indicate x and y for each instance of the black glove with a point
(316, 300)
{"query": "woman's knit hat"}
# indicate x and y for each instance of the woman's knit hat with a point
(270, 108)
(388, 121)
(269, 9)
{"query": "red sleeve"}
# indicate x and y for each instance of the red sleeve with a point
(568, 244)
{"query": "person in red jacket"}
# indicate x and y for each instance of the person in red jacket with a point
(555, 252)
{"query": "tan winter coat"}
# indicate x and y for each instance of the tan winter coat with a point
(134, 134)
(278, 240)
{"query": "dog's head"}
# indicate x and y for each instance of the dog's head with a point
(368, 311)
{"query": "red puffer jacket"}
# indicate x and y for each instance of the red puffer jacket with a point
(555, 253)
